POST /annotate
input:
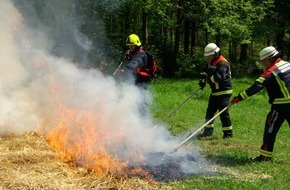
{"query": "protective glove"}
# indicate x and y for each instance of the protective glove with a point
(127, 55)
(202, 75)
(202, 83)
(120, 72)
(235, 100)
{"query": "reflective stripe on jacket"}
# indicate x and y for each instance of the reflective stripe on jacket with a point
(276, 80)
(218, 75)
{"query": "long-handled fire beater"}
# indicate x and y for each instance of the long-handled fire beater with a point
(175, 109)
(199, 129)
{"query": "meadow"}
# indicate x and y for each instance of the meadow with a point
(27, 161)
(231, 157)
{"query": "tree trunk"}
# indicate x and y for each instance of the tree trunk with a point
(177, 31)
(193, 36)
(186, 35)
(230, 50)
(234, 52)
(206, 37)
(218, 39)
(170, 53)
(127, 22)
(280, 41)
(144, 27)
(176, 40)
(243, 52)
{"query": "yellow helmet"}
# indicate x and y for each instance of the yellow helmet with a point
(133, 39)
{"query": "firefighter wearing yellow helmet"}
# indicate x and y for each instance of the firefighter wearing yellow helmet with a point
(133, 40)
(276, 80)
(217, 74)
(136, 60)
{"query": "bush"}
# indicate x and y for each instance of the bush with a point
(249, 67)
(189, 66)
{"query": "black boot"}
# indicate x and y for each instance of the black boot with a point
(261, 158)
(228, 134)
(208, 131)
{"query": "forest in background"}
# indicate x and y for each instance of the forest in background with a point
(175, 31)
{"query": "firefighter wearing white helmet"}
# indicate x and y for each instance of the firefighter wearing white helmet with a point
(276, 80)
(268, 52)
(217, 74)
(211, 49)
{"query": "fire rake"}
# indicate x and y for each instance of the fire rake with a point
(199, 129)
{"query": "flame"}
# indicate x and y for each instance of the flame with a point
(80, 138)
(83, 139)
(77, 142)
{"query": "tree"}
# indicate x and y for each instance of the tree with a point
(233, 20)
(174, 31)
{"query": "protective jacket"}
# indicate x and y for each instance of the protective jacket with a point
(137, 59)
(218, 76)
(276, 80)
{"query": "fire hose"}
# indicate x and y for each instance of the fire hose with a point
(175, 109)
(199, 129)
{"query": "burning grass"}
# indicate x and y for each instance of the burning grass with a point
(28, 162)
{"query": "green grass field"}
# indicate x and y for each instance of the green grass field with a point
(231, 157)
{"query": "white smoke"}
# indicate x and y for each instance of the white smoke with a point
(34, 83)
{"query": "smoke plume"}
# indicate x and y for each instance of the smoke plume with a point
(41, 82)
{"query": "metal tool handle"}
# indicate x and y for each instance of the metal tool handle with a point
(175, 109)
(181, 104)
(118, 68)
(199, 129)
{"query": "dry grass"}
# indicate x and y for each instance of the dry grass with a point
(28, 162)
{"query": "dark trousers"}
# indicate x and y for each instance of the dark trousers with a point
(143, 103)
(216, 103)
(275, 118)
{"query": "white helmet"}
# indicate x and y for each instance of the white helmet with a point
(211, 49)
(268, 52)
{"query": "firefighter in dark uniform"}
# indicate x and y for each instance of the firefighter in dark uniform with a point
(136, 59)
(217, 74)
(276, 80)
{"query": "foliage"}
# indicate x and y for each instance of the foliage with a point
(234, 19)
(190, 66)
(172, 30)
(250, 67)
